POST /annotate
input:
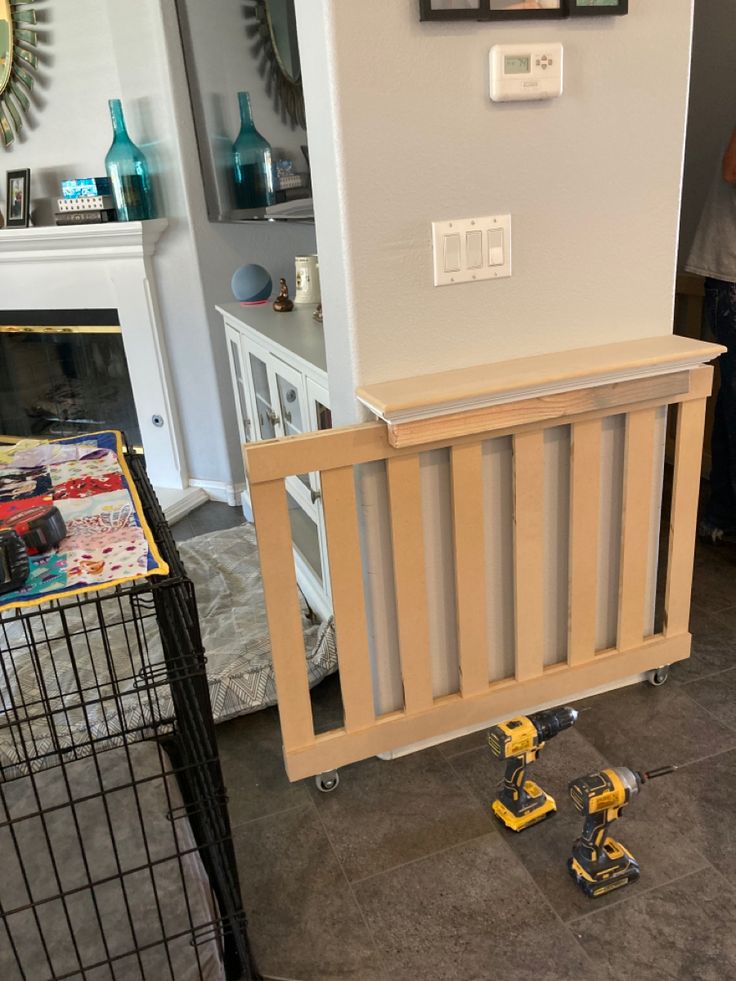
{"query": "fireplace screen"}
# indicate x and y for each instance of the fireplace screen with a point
(64, 380)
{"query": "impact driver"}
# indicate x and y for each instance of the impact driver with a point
(599, 863)
(521, 803)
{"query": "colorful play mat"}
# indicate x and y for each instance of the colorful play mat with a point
(108, 541)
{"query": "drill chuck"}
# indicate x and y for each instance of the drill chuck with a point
(553, 721)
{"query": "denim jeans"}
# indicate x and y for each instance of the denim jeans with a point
(720, 311)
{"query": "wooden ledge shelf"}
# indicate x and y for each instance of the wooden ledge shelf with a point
(488, 397)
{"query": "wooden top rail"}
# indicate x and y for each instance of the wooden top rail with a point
(504, 381)
(276, 459)
(531, 390)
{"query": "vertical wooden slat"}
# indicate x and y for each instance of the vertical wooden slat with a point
(684, 515)
(470, 566)
(273, 530)
(407, 536)
(529, 554)
(585, 500)
(635, 531)
(346, 573)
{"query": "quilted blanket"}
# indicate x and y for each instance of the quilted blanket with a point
(108, 540)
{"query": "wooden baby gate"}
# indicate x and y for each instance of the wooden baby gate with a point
(335, 454)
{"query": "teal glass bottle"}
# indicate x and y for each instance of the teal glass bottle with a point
(252, 162)
(128, 172)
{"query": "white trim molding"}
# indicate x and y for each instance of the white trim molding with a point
(217, 490)
(117, 239)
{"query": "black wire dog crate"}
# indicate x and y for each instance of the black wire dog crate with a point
(115, 843)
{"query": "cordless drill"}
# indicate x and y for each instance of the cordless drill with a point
(521, 802)
(599, 863)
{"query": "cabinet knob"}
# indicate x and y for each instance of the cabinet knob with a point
(287, 416)
(273, 418)
(316, 496)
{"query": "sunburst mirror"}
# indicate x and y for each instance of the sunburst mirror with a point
(18, 63)
(271, 25)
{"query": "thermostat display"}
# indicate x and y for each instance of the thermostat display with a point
(525, 71)
(517, 65)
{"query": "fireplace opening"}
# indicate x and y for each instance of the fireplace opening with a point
(64, 373)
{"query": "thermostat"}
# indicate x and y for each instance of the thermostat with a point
(525, 71)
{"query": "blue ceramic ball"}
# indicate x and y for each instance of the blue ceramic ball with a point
(251, 284)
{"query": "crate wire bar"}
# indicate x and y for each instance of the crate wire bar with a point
(114, 831)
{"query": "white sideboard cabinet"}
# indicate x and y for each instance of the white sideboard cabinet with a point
(279, 376)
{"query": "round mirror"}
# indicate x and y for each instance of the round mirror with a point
(6, 44)
(282, 25)
(272, 26)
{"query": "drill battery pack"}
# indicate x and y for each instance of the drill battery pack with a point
(30, 532)
(41, 527)
(615, 869)
(533, 806)
(14, 565)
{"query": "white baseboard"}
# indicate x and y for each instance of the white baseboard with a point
(177, 503)
(218, 490)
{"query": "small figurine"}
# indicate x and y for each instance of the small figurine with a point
(282, 303)
(317, 315)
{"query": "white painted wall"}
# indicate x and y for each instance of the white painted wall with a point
(592, 181)
(712, 113)
(402, 132)
(69, 129)
(96, 51)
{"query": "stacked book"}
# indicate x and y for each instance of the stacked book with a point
(286, 177)
(85, 201)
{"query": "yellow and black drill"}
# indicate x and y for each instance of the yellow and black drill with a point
(521, 802)
(599, 863)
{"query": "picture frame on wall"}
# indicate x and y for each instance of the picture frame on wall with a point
(451, 9)
(492, 10)
(444, 10)
(17, 198)
(593, 8)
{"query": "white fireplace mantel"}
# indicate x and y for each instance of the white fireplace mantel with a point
(106, 267)
(65, 243)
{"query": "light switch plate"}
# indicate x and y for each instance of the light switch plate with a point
(487, 257)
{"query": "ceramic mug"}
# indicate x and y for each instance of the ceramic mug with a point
(307, 279)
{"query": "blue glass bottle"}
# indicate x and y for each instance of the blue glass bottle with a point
(128, 172)
(252, 162)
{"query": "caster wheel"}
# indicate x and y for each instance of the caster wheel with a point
(659, 676)
(327, 782)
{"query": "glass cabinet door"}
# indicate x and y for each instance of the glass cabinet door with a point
(242, 399)
(319, 417)
(267, 419)
(292, 409)
(318, 406)
(289, 402)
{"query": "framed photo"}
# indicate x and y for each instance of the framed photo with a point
(17, 199)
(587, 8)
(491, 9)
(451, 9)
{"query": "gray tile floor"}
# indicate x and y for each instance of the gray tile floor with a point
(403, 874)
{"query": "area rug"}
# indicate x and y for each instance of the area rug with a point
(225, 570)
